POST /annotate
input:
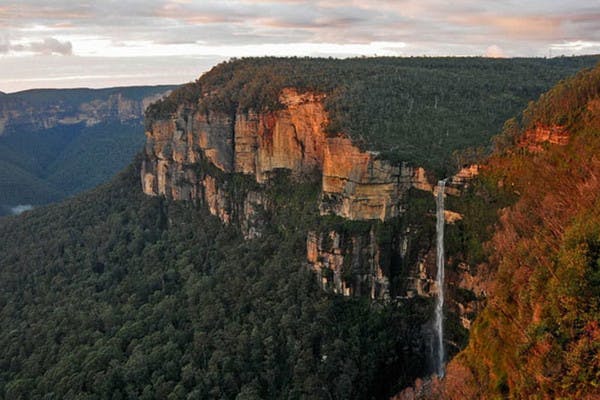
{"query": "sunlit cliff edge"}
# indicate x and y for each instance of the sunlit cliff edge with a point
(355, 184)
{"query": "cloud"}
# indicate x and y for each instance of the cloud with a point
(4, 44)
(47, 46)
(51, 46)
(577, 46)
(125, 34)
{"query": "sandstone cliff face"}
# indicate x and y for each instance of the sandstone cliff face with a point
(460, 181)
(192, 155)
(292, 138)
(534, 139)
(186, 154)
(355, 184)
(348, 264)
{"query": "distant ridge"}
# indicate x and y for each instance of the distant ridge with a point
(89, 89)
(57, 142)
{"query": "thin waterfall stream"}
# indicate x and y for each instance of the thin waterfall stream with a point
(439, 304)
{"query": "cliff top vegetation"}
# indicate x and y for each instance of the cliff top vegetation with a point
(421, 110)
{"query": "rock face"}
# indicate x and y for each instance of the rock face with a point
(24, 111)
(533, 139)
(460, 181)
(348, 264)
(292, 138)
(355, 184)
(195, 154)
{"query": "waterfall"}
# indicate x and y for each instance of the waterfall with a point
(439, 304)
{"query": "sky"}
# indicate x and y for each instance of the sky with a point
(69, 43)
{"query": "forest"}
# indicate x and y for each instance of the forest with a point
(539, 336)
(114, 294)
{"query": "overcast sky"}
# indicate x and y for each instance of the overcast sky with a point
(64, 43)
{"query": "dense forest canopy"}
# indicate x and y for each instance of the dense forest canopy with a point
(417, 109)
(114, 294)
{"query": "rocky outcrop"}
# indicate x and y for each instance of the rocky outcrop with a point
(186, 154)
(194, 154)
(470, 287)
(350, 265)
(24, 111)
(292, 138)
(533, 139)
(460, 181)
(356, 184)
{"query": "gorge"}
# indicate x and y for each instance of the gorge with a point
(279, 237)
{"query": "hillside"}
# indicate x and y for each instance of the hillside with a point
(54, 143)
(117, 294)
(257, 250)
(539, 334)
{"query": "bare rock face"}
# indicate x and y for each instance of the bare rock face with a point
(459, 182)
(533, 139)
(348, 264)
(476, 280)
(292, 138)
(252, 223)
(356, 184)
(17, 110)
(420, 180)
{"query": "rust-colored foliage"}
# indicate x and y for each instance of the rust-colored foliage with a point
(539, 337)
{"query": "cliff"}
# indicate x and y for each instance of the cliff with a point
(355, 184)
(226, 162)
(533, 139)
(194, 154)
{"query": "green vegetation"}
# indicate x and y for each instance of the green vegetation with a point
(41, 165)
(113, 294)
(54, 163)
(419, 110)
(70, 99)
(539, 336)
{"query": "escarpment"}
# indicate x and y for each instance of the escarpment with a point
(356, 184)
(23, 111)
(197, 153)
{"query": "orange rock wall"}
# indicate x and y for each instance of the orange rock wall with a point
(534, 138)
(356, 184)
